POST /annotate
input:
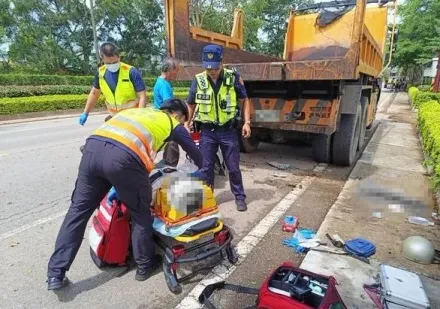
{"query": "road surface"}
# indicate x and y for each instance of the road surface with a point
(38, 164)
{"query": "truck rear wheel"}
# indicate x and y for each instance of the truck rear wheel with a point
(322, 148)
(346, 139)
(364, 105)
(248, 144)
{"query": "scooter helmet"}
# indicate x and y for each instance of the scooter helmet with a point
(177, 106)
(418, 249)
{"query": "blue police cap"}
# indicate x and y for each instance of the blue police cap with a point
(212, 56)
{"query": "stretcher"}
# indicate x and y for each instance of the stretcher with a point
(183, 204)
(187, 227)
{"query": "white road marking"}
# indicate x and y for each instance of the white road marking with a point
(245, 246)
(31, 225)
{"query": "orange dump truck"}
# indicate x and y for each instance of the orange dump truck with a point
(325, 88)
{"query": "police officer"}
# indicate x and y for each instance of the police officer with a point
(121, 154)
(121, 84)
(215, 96)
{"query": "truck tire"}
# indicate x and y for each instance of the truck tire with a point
(248, 144)
(322, 148)
(364, 104)
(346, 138)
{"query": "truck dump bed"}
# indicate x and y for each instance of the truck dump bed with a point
(340, 50)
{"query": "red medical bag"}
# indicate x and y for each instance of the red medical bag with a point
(288, 287)
(109, 235)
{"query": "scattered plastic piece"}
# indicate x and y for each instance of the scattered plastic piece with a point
(302, 236)
(377, 214)
(290, 224)
(420, 221)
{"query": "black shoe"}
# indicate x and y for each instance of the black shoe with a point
(241, 205)
(55, 283)
(142, 273)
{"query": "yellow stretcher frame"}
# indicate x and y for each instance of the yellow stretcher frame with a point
(188, 239)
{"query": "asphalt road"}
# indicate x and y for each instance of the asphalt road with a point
(38, 167)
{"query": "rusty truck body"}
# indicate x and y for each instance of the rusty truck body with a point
(326, 87)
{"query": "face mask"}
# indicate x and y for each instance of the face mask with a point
(114, 67)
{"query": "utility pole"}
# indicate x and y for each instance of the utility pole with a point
(95, 37)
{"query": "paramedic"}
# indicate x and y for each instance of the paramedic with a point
(121, 154)
(162, 91)
(121, 84)
(214, 97)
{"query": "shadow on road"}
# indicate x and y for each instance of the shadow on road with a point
(70, 292)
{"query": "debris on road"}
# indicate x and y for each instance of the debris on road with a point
(281, 166)
(302, 240)
(14, 244)
(420, 221)
(290, 224)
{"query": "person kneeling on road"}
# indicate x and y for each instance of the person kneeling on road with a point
(121, 154)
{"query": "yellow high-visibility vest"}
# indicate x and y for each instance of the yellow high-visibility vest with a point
(142, 130)
(125, 94)
(216, 109)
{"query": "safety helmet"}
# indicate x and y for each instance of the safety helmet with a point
(177, 106)
(418, 249)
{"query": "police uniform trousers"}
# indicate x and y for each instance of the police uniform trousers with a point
(226, 138)
(103, 165)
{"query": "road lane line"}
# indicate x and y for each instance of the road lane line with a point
(31, 225)
(249, 242)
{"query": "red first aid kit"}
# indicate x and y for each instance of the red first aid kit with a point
(109, 235)
(288, 287)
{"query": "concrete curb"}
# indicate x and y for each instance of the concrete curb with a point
(40, 116)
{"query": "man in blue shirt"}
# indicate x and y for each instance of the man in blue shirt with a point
(163, 91)
(112, 68)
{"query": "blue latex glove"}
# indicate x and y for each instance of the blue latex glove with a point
(294, 244)
(83, 118)
(196, 174)
(112, 195)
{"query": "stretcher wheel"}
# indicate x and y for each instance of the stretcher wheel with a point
(171, 278)
(231, 254)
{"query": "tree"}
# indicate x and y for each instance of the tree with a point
(56, 36)
(419, 33)
(136, 26)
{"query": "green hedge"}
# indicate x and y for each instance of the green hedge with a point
(418, 97)
(38, 80)
(27, 91)
(412, 91)
(10, 106)
(429, 127)
(424, 87)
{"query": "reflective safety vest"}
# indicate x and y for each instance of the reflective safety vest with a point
(125, 94)
(216, 109)
(142, 130)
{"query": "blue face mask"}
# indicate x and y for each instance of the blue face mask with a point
(114, 67)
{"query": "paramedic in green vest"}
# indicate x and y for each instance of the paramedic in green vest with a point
(215, 97)
(121, 84)
(119, 157)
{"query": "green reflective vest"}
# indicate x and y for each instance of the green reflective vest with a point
(216, 109)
